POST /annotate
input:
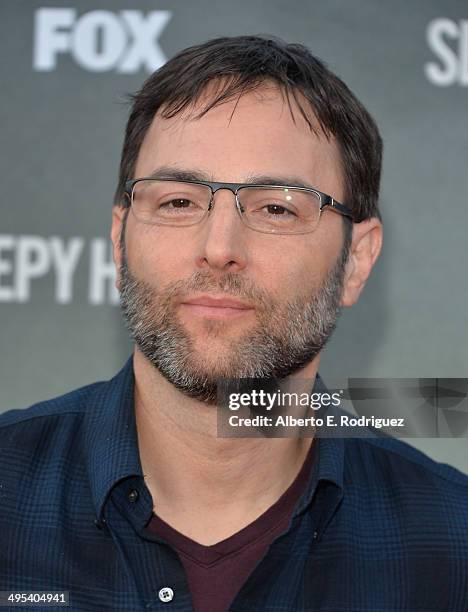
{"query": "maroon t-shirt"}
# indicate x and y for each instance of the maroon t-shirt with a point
(216, 573)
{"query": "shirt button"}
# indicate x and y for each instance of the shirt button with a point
(166, 594)
(133, 495)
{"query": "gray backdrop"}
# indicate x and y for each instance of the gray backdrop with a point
(65, 70)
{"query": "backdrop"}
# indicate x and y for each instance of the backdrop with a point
(66, 69)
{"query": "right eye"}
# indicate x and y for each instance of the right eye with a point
(175, 206)
(176, 203)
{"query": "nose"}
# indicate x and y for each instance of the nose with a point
(222, 236)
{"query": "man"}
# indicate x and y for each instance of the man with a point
(245, 217)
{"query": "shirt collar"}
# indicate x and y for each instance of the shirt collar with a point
(329, 465)
(111, 435)
(112, 442)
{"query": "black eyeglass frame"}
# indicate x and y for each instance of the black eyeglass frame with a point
(234, 188)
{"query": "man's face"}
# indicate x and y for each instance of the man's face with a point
(289, 285)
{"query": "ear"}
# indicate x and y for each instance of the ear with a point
(118, 213)
(365, 248)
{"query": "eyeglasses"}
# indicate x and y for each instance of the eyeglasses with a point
(271, 209)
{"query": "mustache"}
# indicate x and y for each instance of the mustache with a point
(231, 285)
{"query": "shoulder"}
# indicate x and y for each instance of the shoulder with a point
(394, 484)
(44, 459)
(58, 418)
(389, 461)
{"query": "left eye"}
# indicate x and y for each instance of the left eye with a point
(278, 210)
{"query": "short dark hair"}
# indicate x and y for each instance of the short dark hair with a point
(240, 64)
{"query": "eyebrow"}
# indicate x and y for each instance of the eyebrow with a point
(180, 174)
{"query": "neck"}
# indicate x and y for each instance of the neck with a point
(194, 476)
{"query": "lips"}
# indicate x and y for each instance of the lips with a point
(217, 302)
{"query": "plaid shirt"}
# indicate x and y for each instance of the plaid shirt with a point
(381, 527)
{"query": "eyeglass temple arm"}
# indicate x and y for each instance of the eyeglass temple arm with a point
(337, 207)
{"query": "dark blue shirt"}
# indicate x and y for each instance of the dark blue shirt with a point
(380, 527)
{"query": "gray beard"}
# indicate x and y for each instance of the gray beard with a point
(285, 338)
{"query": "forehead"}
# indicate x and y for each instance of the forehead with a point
(257, 133)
